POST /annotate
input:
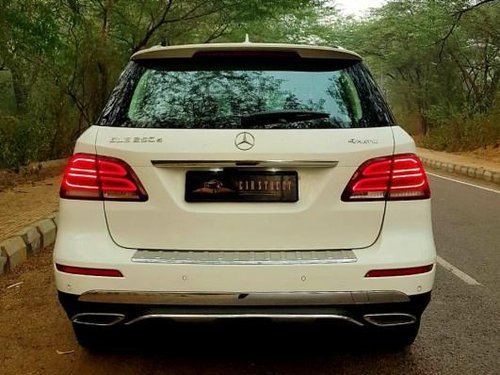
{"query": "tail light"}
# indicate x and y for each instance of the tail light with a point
(88, 271)
(400, 271)
(398, 177)
(98, 177)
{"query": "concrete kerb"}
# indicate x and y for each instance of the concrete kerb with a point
(17, 249)
(3, 264)
(54, 217)
(31, 238)
(473, 172)
(47, 230)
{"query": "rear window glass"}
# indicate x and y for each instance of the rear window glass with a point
(245, 94)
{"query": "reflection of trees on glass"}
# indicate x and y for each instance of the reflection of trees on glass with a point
(150, 95)
(210, 98)
(294, 103)
(343, 91)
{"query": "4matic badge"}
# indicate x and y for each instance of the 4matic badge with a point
(363, 141)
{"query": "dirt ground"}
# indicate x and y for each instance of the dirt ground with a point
(28, 339)
(26, 203)
(490, 153)
(28, 195)
(34, 172)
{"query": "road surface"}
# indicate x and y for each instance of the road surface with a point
(460, 331)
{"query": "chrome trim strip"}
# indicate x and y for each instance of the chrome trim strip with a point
(244, 163)
(244, 316)
(118, 318)
(245, 299)
(246, 257)
(372, 318)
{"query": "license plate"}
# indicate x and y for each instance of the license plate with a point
(241, 186)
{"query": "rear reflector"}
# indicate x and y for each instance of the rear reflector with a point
(89, 271)
(398, 177)
(399, 271)
(96, 177)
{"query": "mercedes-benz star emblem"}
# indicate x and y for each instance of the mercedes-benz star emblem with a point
(244, 141)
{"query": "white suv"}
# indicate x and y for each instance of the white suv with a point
(245, 180)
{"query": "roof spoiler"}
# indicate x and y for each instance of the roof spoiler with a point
(191, 50)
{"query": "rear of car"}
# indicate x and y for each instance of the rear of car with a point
(245, 181)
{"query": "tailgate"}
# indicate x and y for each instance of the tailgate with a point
(323, 160)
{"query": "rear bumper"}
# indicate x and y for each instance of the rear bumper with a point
(360, 309)
(400, 244)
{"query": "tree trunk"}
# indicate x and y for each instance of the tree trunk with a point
(20, 89)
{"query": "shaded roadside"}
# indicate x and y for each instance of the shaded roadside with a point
(26, 203)
(478, 168)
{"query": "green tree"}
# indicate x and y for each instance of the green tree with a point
(438, 61)
(65, 55)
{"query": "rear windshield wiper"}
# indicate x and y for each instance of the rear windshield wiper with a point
(281, 117)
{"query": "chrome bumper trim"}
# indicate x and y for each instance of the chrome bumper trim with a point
(245, 299)
(245, 257)
(244, 163)
(294, 317)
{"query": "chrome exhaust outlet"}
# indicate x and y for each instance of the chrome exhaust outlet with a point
(390, 319)
(98, 319)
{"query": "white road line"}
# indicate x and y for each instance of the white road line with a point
(458, 273)
(464, 183)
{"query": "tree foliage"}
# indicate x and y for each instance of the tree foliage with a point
(64, 55)
(439, 61)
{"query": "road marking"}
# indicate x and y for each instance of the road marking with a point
(458, 273)
(464, 183)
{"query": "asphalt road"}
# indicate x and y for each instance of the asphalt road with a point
(460, 331)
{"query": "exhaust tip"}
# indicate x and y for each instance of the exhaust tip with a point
(390, 319)
(98, 319)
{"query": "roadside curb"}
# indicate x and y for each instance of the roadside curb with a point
(478, 173)
(16, 249)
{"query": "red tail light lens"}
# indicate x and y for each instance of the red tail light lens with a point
(398, 177)
(89, 271)
(98, 177)
(390, 272)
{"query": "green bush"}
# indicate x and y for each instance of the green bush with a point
(464, 134)
(18, 143)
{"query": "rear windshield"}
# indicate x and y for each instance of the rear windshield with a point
(237, 94)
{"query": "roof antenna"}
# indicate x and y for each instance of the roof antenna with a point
(247, 38)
